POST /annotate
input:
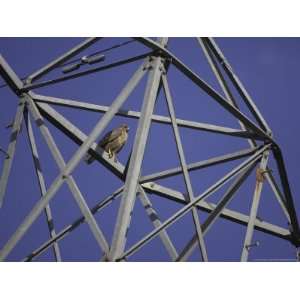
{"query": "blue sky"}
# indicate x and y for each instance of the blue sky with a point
(268, 67)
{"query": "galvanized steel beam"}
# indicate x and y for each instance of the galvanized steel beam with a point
(200, 165)
(134, 168)
(277, 192)
(154, 218)
(254, 208)
(10, 77)
(288, 194)
(189, 189)
(155, 118)
(16, 127)
(41, 182)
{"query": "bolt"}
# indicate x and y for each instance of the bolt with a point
(256, 244)
(4, 152)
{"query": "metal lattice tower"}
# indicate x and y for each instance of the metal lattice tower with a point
(155, 65)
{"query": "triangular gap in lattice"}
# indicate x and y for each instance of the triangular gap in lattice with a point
(234, 91)
(194, 58)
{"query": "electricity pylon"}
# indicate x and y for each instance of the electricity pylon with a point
(155, 65)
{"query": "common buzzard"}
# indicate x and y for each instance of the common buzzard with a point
(112, 142)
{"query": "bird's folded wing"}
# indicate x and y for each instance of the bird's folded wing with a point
(110, 136)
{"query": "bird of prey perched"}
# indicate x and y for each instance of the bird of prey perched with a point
(112, 142)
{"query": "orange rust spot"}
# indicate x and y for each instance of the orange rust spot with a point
(260, 177)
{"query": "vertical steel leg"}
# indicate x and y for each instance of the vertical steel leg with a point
(41, 181)
(254, 208)
(184, 168)
(131, 182)
(156, 222)
(11, 150)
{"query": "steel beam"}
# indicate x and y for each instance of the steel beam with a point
(189, 206)
(155, 118)
(11, 150)
(238, 84)
(41, 182)
(189, 189)
(134, 168)
(70, 228)
(288, 194)
(200, 165)
(254, 208)
(154, 218)
(206, 87)
(70, 166)
(216, 212)
(222, 82)
(10, 76)
(61, 59)
(279, 196)
(227, 214)
(29, 87)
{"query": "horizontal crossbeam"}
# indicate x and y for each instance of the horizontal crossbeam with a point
(155, 118)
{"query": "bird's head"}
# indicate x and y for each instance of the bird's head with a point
(125, 126)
